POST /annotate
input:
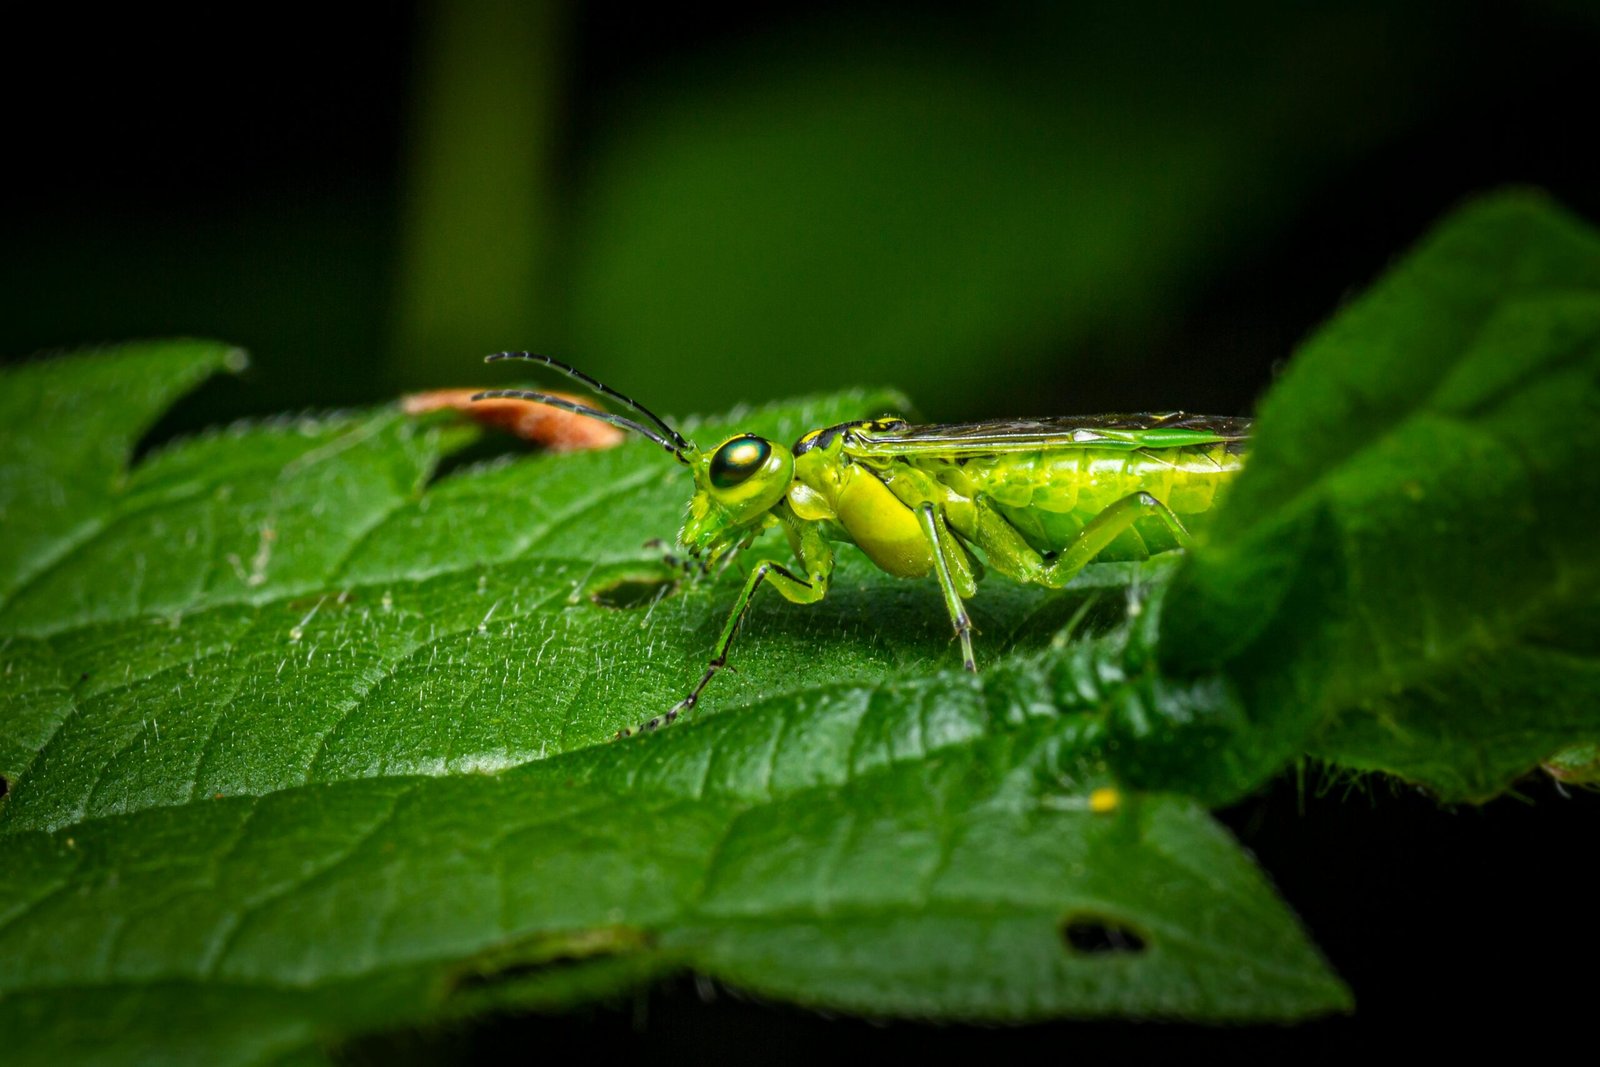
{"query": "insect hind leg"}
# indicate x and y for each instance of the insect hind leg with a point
(942, 545)
(1103, 529)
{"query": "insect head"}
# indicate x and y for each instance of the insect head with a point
(737, 484)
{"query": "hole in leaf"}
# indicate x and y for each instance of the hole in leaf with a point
(518, 972)
(631, 592)
(477, 453)
(213, 402)
(541, 958)
(1096, 935)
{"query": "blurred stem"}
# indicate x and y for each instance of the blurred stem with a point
(479, 202)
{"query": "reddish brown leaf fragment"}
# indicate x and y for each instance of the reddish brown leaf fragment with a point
(557, 430)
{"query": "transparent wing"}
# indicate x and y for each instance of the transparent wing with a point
(1147, 430)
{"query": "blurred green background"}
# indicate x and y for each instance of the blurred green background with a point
(1004, 209)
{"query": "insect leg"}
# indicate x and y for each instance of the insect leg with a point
(817, 556)
(1005, 549)
(940, 541)
(689, 568)
(1103, 529)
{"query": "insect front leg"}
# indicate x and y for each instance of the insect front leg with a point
(689, 568)
(733, 554)
(1104, 529)
(945, 551)
(815, 554)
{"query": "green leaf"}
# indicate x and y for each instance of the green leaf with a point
(68, 426)
(305, 740)
(1405, 579)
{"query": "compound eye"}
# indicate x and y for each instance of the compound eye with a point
(738, 459)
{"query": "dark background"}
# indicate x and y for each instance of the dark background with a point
(1012, 209)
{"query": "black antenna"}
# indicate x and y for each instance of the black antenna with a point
(583, 409)
(599, 387)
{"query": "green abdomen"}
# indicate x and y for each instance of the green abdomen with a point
(1049, 495)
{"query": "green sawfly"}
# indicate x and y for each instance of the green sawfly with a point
(1033, 499)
